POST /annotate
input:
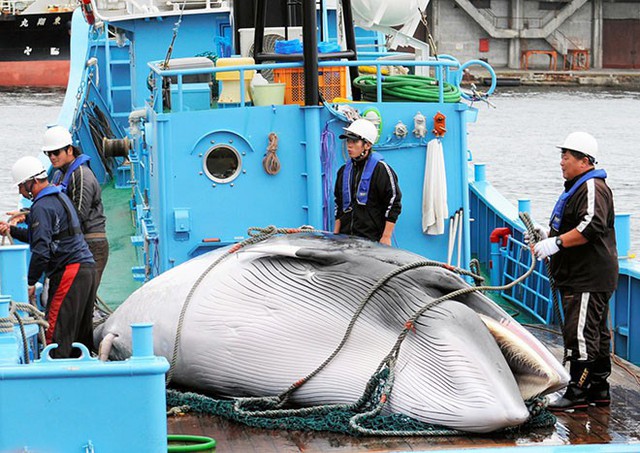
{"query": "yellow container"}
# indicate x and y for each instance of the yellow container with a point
(272, 94)
(230, 90)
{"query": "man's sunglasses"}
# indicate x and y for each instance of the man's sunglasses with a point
(55, 152)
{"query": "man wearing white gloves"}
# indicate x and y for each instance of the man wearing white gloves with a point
(584, 263)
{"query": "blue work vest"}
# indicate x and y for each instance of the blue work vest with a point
(81, 159)
(74, 224)
(558, 210)
(362, 193)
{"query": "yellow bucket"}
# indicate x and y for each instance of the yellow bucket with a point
(272, 94)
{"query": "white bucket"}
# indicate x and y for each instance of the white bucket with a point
(272, 94)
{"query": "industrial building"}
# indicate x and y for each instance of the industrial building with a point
(551, 34)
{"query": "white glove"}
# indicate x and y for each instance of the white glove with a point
(542, 232)
(545, 248)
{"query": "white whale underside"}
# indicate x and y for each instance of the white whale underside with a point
(259, 322)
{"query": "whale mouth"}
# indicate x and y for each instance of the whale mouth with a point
(534, 374)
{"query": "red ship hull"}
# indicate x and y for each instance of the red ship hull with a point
(43, 73)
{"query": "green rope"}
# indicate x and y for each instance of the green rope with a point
(193, 443)
(402, 88)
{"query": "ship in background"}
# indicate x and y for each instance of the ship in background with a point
(35, 43)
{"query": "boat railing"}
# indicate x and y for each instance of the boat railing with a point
(120, 10)
(534, 294)
(510, 258)
(446, 69)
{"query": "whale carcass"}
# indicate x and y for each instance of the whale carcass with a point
(270, 313)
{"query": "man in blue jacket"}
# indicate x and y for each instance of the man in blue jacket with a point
(59, 251)
(78, 182)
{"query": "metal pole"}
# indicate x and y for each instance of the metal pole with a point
(350, 36)
(258, 36)
(310, 52)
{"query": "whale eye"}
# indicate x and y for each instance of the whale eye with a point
(222, 163)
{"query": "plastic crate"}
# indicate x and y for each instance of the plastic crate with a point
(332, 81)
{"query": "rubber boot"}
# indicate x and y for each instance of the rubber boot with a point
(598, 393)
(575, 397)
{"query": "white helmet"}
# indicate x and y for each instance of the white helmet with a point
(27, 168)
(583, 143)
(363, 129)
(56, 137)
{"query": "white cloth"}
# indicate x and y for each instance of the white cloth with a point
(434, 190)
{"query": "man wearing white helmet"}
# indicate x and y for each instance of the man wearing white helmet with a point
(78, 182)
(59, 251)
(584, 264)
(368, 198)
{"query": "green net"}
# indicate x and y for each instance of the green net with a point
(336, 420)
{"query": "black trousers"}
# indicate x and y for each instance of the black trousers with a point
(69, 312)
(586, 329)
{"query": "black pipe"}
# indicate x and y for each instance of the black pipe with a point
(258, 35)
(298, 56)
(310, 52)
(292, 11)
(350, 36)
(322, 36)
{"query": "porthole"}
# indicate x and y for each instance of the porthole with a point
(222, 163)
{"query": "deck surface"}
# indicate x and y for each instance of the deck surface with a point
(618, 424)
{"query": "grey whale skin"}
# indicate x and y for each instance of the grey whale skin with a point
(270, 313)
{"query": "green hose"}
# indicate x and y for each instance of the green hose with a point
(205, 443)
(402, 88)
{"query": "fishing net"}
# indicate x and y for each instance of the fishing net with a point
(337, 418)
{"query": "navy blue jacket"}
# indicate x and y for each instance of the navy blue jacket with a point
(53, 235)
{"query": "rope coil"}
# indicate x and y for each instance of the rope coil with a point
(271, 163)
(32, 316)
(408, 87)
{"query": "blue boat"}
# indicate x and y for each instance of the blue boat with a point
(192, 155)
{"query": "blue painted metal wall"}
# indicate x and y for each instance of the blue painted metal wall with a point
(177, 143)
(97, 406)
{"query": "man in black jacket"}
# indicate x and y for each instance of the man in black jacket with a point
(59, 251)
(584, 264)
(78, 182)
(368, 198)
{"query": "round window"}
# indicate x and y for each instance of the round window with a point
(222, 163)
